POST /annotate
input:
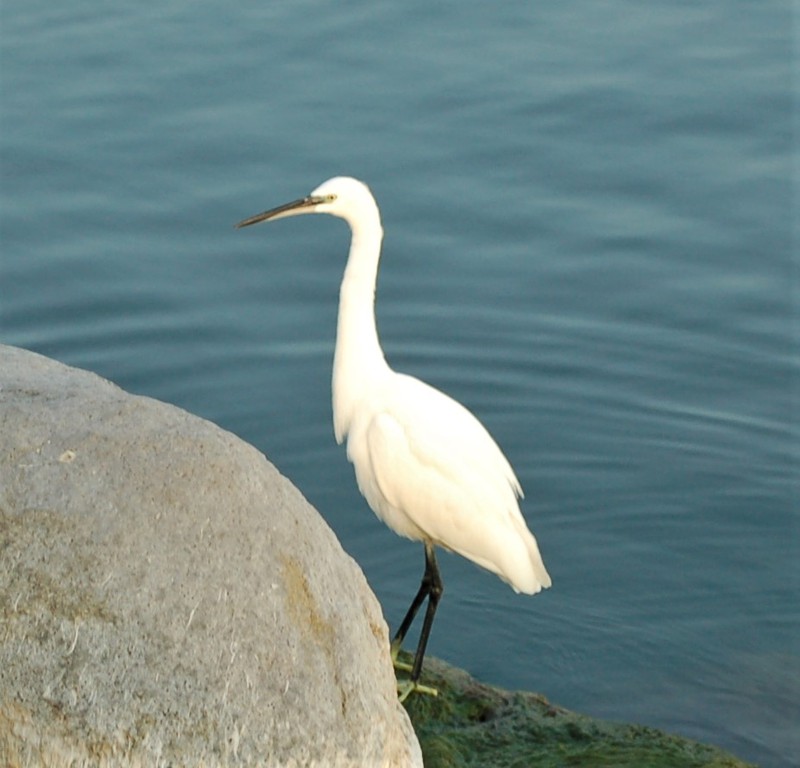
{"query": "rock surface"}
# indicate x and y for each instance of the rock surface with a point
(168, 598)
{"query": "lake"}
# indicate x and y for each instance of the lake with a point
(591, 241)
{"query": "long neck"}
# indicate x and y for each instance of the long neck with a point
(358, 359)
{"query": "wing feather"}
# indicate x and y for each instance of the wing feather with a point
(431, 470)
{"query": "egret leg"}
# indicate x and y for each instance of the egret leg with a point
(431, 588)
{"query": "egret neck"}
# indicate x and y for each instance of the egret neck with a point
(358, 359)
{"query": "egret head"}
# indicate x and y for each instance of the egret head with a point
(342, 196)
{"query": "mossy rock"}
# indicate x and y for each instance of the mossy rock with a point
(471, 724)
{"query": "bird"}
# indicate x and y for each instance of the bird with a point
(424, 463)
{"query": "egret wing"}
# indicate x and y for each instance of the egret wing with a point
(435, 469)
(444, 433)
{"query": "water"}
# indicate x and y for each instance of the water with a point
(589, 222)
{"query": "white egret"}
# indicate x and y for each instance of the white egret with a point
(424, 463)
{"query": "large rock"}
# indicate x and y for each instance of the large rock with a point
(168, 598)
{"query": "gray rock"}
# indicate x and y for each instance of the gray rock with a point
(168, 598)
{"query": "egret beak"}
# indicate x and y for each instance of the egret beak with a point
(303, 205)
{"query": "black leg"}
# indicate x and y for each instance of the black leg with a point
(408, 620)
(432, 588)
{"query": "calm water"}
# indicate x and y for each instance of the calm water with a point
(589, 225)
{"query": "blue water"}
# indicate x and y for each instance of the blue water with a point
(589, 241)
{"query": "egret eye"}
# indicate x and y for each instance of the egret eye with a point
(330, 198)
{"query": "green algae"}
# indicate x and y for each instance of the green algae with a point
(471, 724)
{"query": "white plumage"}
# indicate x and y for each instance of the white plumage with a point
(430, 471)
(426, 466)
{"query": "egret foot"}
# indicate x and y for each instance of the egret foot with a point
(402, 665)
(406, 687)
(396, 663)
